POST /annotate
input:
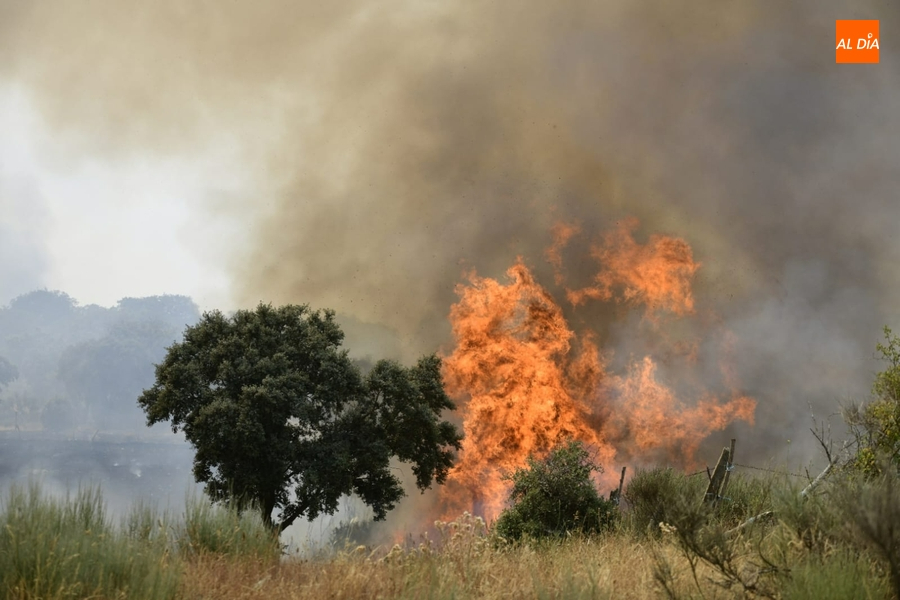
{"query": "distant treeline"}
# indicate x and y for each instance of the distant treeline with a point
(65, 367)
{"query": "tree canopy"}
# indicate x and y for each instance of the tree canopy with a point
(280, 417)
(105, 375)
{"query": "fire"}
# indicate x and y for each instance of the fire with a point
(526, 381)
(562, 233)
(654, 418)
(527, 389)
(657, 274)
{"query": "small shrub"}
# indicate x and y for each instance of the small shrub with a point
(650, 495)
(554, 496)
(877, 424)
(745, 497)
(353, 532)
(815, 521)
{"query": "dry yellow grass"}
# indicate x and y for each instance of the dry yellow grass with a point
(613, 566)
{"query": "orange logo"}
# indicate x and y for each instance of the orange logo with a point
(856, 42)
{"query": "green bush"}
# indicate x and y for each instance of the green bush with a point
(352, 533)
(650, 495)
(877, 425)
(554, 496)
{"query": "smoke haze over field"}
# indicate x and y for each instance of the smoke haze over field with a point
(391, 147)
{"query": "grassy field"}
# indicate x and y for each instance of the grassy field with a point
(835, 544)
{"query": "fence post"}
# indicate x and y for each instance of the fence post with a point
(621, 483)
(728, 470)
(616, 495)
(712, 491)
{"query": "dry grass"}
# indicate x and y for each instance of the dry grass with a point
(612, 566)
(56, 550)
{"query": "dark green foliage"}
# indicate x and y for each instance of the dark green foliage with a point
(280, 416)
(555, 495)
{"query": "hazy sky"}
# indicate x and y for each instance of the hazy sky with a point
(101, 229)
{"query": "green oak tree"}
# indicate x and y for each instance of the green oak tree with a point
(281, 418)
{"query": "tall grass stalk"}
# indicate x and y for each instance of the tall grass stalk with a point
(216, 529)
(68, 548)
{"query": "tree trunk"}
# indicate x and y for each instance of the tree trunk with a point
(267, 506)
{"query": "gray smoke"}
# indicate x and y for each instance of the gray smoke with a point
(23, 260)
(396, 145)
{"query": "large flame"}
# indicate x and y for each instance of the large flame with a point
(657, 274)
(526, 381)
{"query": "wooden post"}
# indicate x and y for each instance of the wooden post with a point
(712, 491)
(727, 470)
(621, 483)
(616, 495)
(708, 473)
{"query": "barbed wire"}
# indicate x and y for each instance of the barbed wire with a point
(706, 471)
(772, 471)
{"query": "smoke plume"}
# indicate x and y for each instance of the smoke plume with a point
(396, 145)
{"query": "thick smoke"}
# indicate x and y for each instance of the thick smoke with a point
(395, 145)
(23, 218)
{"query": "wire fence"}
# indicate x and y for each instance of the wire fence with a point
(708, 472)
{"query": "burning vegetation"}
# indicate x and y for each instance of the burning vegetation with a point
(526, 380)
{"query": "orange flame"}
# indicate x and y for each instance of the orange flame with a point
(526, 391)
(657, 274)
(654, 418)
(525, 381)
(562, 233)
